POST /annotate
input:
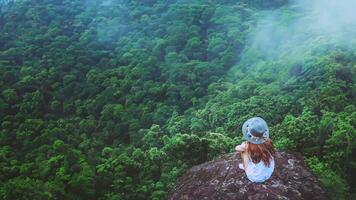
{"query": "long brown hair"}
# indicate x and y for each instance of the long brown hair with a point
(260, 152)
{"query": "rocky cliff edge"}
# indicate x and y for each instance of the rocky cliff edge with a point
(223, 179)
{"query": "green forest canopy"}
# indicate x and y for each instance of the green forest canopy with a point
(115, 99)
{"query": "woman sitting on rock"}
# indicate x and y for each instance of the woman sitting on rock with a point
(258, 151)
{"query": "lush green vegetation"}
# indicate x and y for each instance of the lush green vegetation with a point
(115, 99)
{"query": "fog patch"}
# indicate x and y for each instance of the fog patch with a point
(304, 27)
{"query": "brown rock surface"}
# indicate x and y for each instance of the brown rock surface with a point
(222, 179)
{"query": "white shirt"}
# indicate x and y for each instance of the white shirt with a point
(257, 172)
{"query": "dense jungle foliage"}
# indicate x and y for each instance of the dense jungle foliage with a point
(114, 99)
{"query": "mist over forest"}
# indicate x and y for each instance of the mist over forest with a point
(116, 99)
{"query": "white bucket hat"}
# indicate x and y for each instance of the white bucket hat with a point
(255, 130)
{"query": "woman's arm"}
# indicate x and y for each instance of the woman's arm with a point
(244, 158)
(241, 148)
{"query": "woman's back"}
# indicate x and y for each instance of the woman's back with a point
(256, 171)
(259, 172)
